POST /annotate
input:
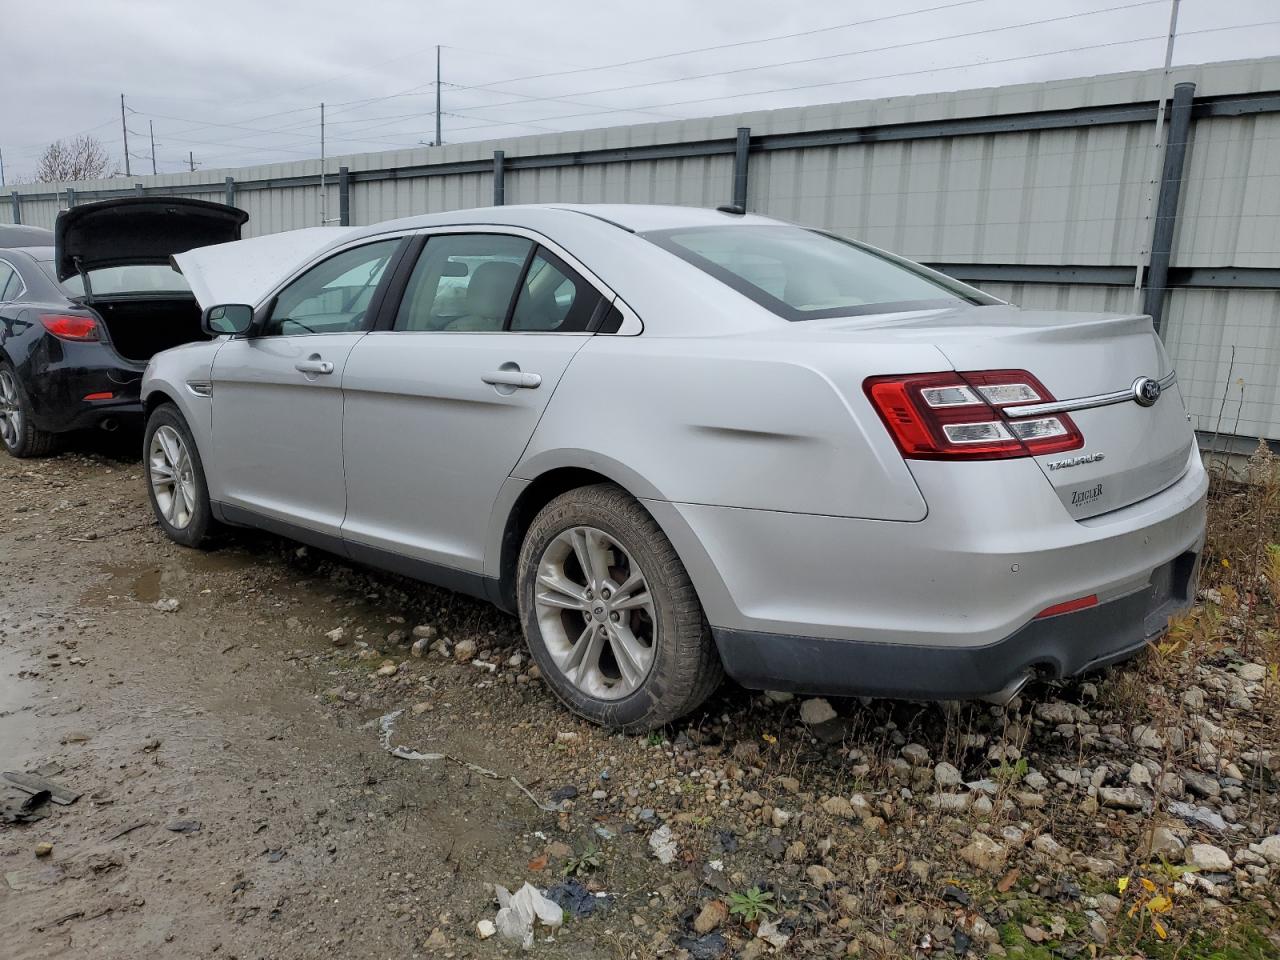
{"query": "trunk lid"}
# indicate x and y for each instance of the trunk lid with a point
(132, 231)
(1131, 450)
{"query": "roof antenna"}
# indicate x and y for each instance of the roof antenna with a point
(731, 208)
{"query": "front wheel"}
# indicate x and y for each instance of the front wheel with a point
(610, 614)
(175, 478)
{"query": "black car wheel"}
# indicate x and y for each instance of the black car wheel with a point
(175, 478)
(19, 435)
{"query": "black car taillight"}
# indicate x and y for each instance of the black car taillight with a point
(70, 327)
(961, 416)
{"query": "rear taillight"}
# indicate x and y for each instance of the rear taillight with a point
(962, 416)
(66, 327)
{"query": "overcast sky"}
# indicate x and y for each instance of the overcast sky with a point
(239, 81)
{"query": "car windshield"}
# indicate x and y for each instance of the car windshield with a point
(803, 274)
(142, 278)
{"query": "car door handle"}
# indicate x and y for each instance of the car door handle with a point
(314, 366)
(512, 378)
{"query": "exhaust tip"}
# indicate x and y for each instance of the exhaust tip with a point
(1002, 696)
(109, 425)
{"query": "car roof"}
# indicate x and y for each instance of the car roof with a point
(41, 254)
(632, 217)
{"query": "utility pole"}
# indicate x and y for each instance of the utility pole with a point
(1144, 254)
(1, 168)
(324, 205)
(191, 159)
(439, 139)
(151, 125)
(124, 132)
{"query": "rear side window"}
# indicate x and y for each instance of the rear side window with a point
(463, 282)
(803, 274)
(10, 283)
(553, 299)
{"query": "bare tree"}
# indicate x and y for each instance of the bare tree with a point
(80, 158)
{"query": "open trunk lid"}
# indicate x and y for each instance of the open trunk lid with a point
(1113, 377)
(131, 231)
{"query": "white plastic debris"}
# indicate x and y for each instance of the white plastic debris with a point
(770, 934)
(166, 605)
(517, 913)
(404, 753)
(663, 844)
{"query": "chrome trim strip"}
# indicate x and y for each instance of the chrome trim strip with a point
(1083, 403)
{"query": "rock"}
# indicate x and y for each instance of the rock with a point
(568, 736)
(1035, 780)
(1122, 798)
(1206, 856)
(1055, 712)
(1202, 785)
(861, 806)
(166, 605)
(770, 934)
(663, 844)
(1252, 672)
(337, 636)
(819, 875)
(816, 710)
(1165, 843)
(946, 776)
(916, 755)
(485, 929)
(388, 669)
(1201, 816)
(420, 648)
(1139, 775)
(1046, 845)
(838, 807)
(779, 696)
(712, 946)
(418, 709)
(1193, 699)
(424, 632)
(1269, 849)
(183, 826)
(437, 940)
(44, 849)
(1146, 738)
(950, 802)
(780, 818)
(567, 792)
(464, 651)
(712, 915)
(984, 853)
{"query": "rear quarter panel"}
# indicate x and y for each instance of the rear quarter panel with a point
(734, 421)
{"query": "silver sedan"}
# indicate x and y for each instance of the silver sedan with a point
(678, 442)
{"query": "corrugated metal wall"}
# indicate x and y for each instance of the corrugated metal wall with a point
(977, 179)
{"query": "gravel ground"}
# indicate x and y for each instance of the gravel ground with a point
(229, 720)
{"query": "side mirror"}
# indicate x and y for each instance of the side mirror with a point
(227, 318)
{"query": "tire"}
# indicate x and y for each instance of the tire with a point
(181, 508)
(18, 434)
(673, 663)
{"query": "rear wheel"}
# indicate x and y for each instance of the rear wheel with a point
(610, 614)
(175, 478)
(18, 434)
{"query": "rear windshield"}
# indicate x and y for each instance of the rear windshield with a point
(144, 279)
(803, 274)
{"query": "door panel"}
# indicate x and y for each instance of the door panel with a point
(433, 425)
(276, 429)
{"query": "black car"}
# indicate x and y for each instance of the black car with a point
(80, 319)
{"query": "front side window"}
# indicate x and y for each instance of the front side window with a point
(463, 282)
(803, 274)
(333, 296)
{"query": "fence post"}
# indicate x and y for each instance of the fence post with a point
(740, 168)
(231, 192)
(71, 197)
(16, 199)
(499, 178)
(1167, 204)
(344, 196)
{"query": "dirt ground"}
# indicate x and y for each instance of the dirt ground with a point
(238, 800)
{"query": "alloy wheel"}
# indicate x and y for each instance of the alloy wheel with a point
(10, 412)
(172, 478)
(595, 613)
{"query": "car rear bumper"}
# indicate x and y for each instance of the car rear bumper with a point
(1060, 646)
(58, 388)
(947, 606)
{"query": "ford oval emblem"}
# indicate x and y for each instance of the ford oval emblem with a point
(1146, 391)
